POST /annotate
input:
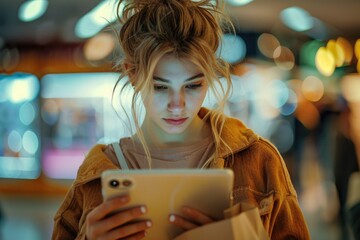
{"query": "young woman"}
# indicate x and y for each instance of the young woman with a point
(168, 56)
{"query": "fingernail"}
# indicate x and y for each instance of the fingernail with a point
(143, 209)
(148, 223)
(172, 218)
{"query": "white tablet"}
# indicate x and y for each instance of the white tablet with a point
(165, 191)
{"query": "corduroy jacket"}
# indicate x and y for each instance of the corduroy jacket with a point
(261, 179)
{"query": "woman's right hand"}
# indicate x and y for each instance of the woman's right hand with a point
(102, 223)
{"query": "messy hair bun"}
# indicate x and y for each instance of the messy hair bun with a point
(175, 22)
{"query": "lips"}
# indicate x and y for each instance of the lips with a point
(175, 121)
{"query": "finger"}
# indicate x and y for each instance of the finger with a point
(137, 236)
(197, 216)
(106, 208)
(130, 231)
(181, 222)
(120, 218)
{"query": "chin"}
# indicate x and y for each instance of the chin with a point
(174, 130)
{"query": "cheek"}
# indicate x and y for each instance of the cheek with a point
(197, 98)
(156, 102)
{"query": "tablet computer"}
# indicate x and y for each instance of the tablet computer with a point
(165, 191)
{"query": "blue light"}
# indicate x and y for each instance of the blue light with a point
(290, 106)
(14, 141)
(239, 2)
(30, 142)
(232, 49)
(32, 10)
(95, 20)
(22, 87)
(297, 19)
(278, 93)
(27, 113)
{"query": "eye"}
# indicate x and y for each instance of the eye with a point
(158, 87)
(194, 86)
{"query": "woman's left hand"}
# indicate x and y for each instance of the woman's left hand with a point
(192, 218)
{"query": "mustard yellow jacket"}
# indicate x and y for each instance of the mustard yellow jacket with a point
(261, 179)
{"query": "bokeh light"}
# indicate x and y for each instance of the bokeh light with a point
(337, 51)
(30, 142)
(307, 114)
(27, 113)
(312, 88)
(284, 58)
(14, 141)
(325, 61)
(23, 87)
(290, 106)
(232, 48)
(50, 111)
(277, 93)
(350, 86)
(99, 47)
(32, 9)
(357, 49)
(347, 48)
(267, 43)
(297, 19)
(308, 52)
(238, 2)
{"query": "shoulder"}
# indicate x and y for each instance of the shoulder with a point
(262, 166)
(96, 161)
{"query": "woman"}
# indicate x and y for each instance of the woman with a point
(169, 58)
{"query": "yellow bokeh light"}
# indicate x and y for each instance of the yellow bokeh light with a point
(284, 58)
(348, 49)
(312, 88)
(337, 51)
(358, 66)
(267, 43)
(357, 49)
(325, 62)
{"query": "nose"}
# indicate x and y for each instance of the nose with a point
(176, 102)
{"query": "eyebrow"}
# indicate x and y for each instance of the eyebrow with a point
(186, 80)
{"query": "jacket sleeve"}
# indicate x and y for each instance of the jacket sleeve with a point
(287, 220)
(66, 220)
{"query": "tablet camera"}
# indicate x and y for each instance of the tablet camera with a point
(127, 183)
(114, 183)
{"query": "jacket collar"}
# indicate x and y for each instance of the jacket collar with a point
(235, 134)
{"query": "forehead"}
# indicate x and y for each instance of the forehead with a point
(170, 66)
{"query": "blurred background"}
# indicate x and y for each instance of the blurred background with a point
(296, 82)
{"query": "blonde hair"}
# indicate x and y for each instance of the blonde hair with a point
(189, 29)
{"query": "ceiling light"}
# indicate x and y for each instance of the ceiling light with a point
(297, 19)
(95, 20)
(32, 10)
(239, 2)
